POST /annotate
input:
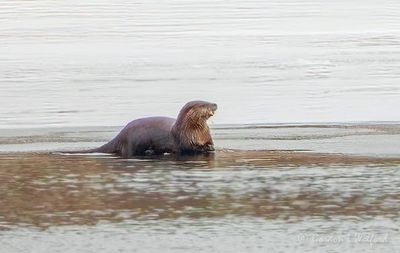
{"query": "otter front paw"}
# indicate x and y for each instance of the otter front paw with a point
(210, 147)
(207, 148)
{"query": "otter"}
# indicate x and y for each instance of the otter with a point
(186, 135)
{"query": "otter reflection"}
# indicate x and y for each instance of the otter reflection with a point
(48, 190)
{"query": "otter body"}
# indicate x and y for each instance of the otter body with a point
(141, 137)
(188, 134)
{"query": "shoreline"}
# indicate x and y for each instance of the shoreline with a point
(373, 140)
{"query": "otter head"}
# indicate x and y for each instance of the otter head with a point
(190, 131)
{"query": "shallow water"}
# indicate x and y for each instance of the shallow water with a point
(104, 63)
(70, 72)
(265, 196)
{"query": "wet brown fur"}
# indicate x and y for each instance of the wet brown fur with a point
(188, 134)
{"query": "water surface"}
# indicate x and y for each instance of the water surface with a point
(72, 73)
(102, 63)
(257, 193)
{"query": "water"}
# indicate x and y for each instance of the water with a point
(99, 63)
(72, 73)
(267, 188)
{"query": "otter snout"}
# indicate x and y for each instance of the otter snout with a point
(211, 109)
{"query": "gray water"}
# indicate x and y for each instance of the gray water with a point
(72, 73)
(319, 188)
(103, 63)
